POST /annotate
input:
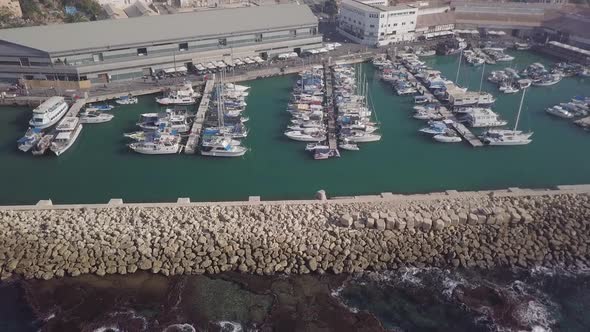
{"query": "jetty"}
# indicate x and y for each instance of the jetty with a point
(444, 110)
(76, 107)
(195, 132)
(329, 109)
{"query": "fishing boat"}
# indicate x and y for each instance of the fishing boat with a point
(67, 131)
(49, 112)
(127, 100)
(560, 112)
(94, 116)
(31, 138)
(43, 144)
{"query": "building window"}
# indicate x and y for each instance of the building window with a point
(293, 33)
(183, 47)
(258, 38)
(222, 42)
(142, 51)
(372, 26)
(403, 23)
(394, 24)
(412, 22)
(24, 62)
(97, 57)
(29, 77)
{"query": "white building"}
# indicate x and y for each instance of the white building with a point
(375, 23)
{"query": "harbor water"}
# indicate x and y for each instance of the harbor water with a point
(99, 166)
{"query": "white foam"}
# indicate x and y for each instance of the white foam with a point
(225, 324)
(111, 328)
(336, 294)
(535, 315)
(181, 327)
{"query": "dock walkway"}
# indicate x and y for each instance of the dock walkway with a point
(329, 79)
(76, 107)
(459, 127)
(195, 133)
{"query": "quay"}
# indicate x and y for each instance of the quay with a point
(329, 79)
(444, 110)
(195, 133)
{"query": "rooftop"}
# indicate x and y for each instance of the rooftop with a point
(157, 29)
(436, 19)
(381, 8)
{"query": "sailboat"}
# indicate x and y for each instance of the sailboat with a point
(506, 136)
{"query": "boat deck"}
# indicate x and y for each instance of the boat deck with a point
(459, 127)
(328, 77)
(195, 133)
(76, 107)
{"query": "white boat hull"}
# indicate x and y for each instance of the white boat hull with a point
(99, 119)
(58, 150)
(154, 149)
(447, 139)
(59, 114)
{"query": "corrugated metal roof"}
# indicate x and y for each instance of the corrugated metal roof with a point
(157, 29)
(435, 19)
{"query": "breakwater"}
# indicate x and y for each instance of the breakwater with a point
(473, 229)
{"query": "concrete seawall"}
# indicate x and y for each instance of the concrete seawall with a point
(484, 229)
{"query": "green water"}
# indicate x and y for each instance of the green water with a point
(99, 166)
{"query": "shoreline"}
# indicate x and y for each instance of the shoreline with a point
(506, 228)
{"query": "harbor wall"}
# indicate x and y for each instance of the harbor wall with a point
(514, 227)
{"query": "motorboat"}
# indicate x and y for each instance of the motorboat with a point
(30, 139)
(482, 117)
(49, 112)
(522, 46)
(320, 154)
(304, 137)
(100, 107)
(184, 95)
(313, 146)
(236, 87)
(428, 115)
(346, 145)
(158, 144)
(559, 112)
(43, 144)
(213, 141)
(68, 131)
(447, 138)
(94, 116)
(510, 89)
(508, 137)
(228, 150)
(127, 100)
(361, 137)
(547, 80)
(435, 128)
(168, 120)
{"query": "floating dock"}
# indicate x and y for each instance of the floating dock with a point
(195, 133)
(459, 127)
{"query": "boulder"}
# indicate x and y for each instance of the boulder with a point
(438, 225)
(346, 220)
(370, 223)
(380, 224)
(426, 225)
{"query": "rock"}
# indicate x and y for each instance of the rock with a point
(390, 223)
(358, 224)
(462, 218)
(400, 225)
(346, 220)
(321, 195)
(473, 219)
(370, 223)
(426, 225)
(380, 224)
(438, 225)
(312, 264)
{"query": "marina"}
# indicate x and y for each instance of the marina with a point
(279, 168)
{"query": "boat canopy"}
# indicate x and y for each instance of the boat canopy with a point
(179, 69)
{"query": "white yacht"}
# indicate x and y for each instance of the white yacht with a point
(185, 95)
(228, 151)
(361, 137)
(447, 138)
(559, 112)
(31, 138)
(68, 131)
(49, 112)
(127, 100)
(168, 120)
(346, 145)
(213, 141)
(94, 116)
(316, 146)
(482, 117)
(472, 98)
(162, 144)
(303, 137)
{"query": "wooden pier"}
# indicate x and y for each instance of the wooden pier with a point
(195, 133)
(329, 109)
(459, 127)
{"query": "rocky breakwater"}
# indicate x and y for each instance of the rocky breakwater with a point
(481, 231)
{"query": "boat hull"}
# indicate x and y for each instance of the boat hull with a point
(59, 150)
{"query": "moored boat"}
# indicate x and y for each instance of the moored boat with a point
(67, 131)
(49, 112)
(30, 139)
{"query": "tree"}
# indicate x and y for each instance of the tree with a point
(331, 8)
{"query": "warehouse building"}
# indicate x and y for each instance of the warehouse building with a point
(104, 51)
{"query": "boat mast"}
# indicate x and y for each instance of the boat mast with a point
(459, 67)
(483, 70)
(519, 109)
